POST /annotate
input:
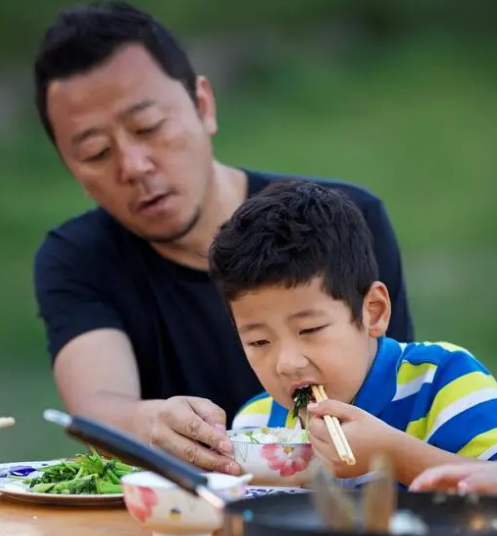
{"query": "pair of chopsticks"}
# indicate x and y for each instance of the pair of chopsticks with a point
(334, 429)
(5, 422)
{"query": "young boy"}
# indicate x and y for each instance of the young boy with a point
(295, 264)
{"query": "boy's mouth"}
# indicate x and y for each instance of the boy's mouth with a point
(295, 388)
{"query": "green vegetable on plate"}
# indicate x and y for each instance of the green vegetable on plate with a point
(87, 474)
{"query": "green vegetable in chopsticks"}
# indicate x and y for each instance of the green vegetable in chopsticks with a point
(302, 398)
(88, 473)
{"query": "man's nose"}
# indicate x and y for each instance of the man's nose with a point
(135, 162)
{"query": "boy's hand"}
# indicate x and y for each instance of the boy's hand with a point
(475, 477)
(366, 435)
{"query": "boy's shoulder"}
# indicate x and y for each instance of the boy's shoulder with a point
(437, 364)
(439, 355)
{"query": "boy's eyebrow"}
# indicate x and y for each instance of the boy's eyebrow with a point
(250, 327)
(305, 313)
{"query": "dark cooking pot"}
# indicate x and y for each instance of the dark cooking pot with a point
(295, 515)
(283, 514)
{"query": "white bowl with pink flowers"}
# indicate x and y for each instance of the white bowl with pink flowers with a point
(280, 457)
(166, 510)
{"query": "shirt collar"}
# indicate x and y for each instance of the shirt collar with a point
(380, 384)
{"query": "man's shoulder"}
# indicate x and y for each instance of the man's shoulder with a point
(91, 234)
(361, 195)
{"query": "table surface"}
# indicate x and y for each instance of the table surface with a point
(25, 519)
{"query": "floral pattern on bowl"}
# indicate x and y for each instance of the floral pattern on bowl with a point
(275, 456)
(288, 460)
(163, 508)
(140, 502)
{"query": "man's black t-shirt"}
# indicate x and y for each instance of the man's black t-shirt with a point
(92, 273)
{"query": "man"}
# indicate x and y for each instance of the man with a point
(138, 335)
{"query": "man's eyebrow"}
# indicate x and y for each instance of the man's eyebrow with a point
(79, 137)
(137, 107)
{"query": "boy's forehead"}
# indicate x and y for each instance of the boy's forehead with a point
(259, 307)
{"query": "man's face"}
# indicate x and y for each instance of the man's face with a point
(134, 139)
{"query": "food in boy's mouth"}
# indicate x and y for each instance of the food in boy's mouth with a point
(302, 397)
(87, 474)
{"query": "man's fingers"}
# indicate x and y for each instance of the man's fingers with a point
(196, 454)
(185, 422)
(209, 412)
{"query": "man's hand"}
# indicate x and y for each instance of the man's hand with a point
(194, 429)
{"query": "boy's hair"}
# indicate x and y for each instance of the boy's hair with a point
(290, 233)
(83, 38)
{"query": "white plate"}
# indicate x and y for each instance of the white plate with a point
(15, 489)
(261, 491)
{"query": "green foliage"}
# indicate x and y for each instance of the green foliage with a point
(415, 121)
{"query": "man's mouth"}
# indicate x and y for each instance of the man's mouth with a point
(151, 202)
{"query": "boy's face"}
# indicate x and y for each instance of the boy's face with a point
(302, 336)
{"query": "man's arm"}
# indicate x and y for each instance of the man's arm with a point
(95, 366)
(101, 384)
(94, 363)
(391, 272)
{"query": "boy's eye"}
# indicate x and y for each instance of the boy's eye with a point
(309, 331)
(257, 344)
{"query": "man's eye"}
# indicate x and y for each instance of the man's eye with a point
(151, 129)
(96, 157)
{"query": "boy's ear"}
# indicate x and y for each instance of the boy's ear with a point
(377, 310)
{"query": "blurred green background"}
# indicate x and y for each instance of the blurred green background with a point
(398, 96)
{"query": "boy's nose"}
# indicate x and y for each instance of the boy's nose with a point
(290, 360)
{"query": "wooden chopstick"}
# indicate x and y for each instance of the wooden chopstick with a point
(350, 454)
(336, 508)
(7, 421)
(334, 429)
(379, 497)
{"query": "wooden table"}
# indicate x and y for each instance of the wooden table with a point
(24, 519)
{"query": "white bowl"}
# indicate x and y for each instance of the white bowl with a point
(274, 456)
(166, 510)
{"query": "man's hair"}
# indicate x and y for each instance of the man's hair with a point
(84, 37)
(290, 233)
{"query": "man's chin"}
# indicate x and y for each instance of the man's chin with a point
(172, 234)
